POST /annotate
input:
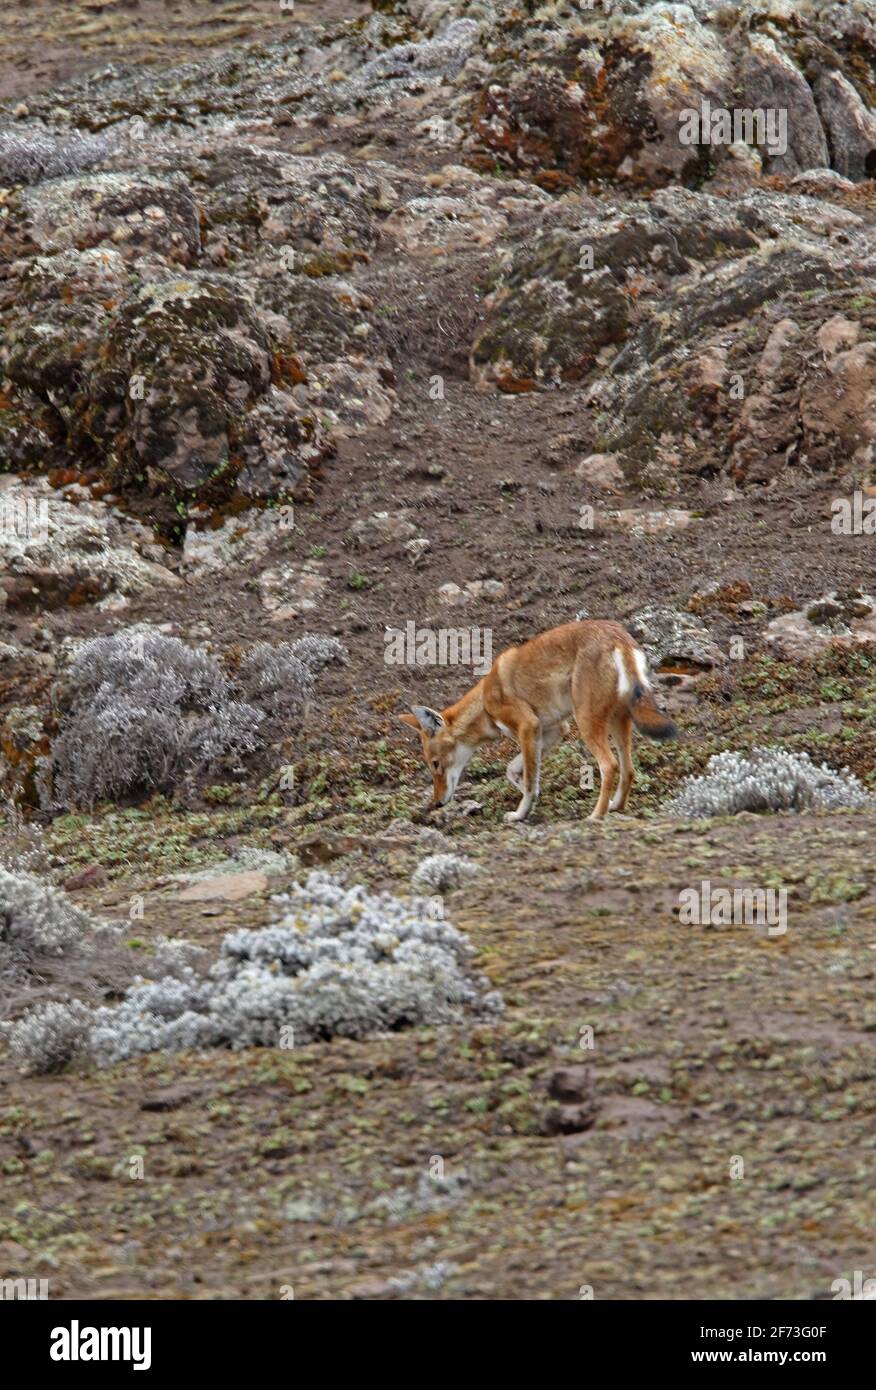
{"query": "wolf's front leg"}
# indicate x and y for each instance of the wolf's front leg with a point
(514, 772)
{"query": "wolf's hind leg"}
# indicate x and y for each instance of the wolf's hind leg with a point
(593, 728)
(622, 733)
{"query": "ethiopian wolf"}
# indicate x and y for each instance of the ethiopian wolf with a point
(592, 670)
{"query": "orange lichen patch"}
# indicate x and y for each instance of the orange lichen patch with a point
(566, 125)
(481, 163)
(23, 763)
(287, 369)
(515, 386)
(236, 506)
(323, 263)
(554, 181)
(86, 592)
(725, 600)
(63, 477)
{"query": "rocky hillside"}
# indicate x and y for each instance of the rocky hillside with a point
(325, 322)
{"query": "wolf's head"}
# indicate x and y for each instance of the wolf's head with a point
(444, 753)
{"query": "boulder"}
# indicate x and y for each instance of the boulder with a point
(670, 637)
(205, 413)
(849, 125)
(699, 327)
(838, 620)
(54, 552)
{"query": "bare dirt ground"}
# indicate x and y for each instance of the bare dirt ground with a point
(711, 1047)
(311, 1168)
(723, 1140)
(43, 44)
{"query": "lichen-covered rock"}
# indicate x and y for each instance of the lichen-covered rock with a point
(845, 620)
(382, 528)
(315, 215)
(290, 590)
(198, 297)
(313, 71)
(54, 552)
(694, 320)
(640, 521)
(23, 741)
(183, 383)
(55, 330)
(579, 282)
(236, 543)
(322, 319)
(650, 94)
(28, 433)
(605, 103)
(135, 213)
(184, 391)
(849, 126)
(670, 637)
(769, 79)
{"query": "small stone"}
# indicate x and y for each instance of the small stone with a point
(568, 1119)
(494, 588)
(170, 1098)
(569, 1084)
(231, 888)
(321, 849)
(638, 521)
(382, 528)
(601, 471)
(92, 876)
(417, 549)
(452, 595)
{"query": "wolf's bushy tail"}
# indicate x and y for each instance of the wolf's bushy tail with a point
(647, 718)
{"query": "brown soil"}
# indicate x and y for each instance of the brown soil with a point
(44, 43)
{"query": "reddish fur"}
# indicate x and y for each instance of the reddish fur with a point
(531, 690)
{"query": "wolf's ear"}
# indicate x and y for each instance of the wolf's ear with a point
(410, 721)
(429, 720)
